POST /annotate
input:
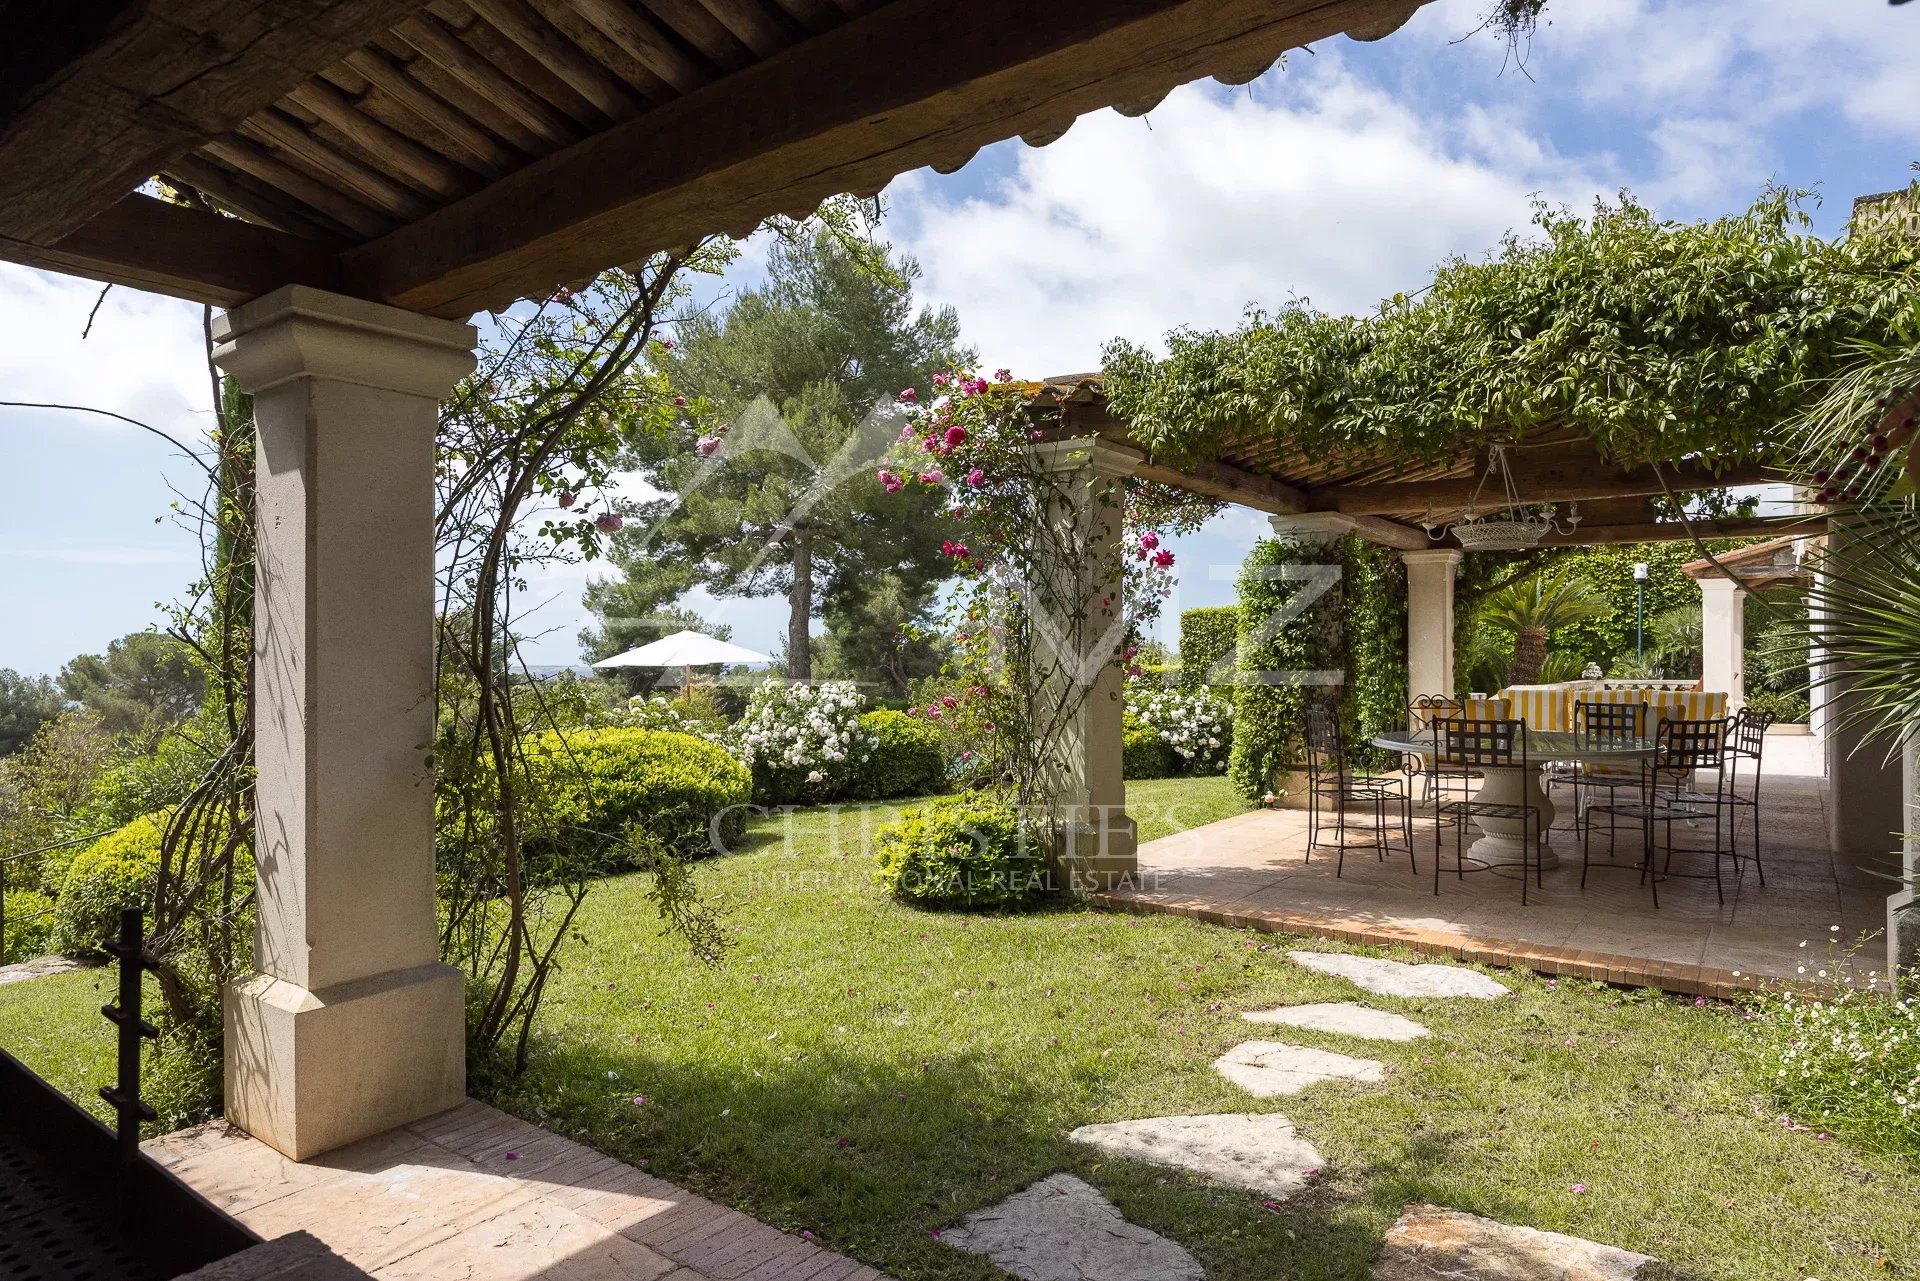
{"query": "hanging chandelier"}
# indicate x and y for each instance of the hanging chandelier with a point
(1514, 526)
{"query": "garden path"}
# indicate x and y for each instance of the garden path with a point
(1060, 1227)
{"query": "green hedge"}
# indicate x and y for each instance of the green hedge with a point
(599, 793)
(909, 758)
(1144, 753)
(1207, 636)
(971, 852)
(113, 873)
(1357, 627)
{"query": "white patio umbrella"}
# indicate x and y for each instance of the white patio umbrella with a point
(685, 650)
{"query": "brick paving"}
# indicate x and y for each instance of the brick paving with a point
(479, 1195)
(1250, 871)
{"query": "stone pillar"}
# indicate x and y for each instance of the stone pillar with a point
(1078, 639)
(1864, 787)
(1430, 620)
(349, 1024)
(1723, 638)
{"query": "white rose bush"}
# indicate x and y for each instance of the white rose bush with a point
(1197, 725)
(802, 742)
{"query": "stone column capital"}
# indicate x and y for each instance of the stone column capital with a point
(1717, 586)
(1311, 527)
(1448, 556)
(301, 332)
(1090, 453)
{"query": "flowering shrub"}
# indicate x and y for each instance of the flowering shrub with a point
(968, 853)
(679, 716)
(1848, 1061)
(802, 742)
(1143, 753)
(1197, 725)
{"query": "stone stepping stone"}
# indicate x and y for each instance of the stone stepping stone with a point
(1062, 1229)
(1430, 1243)
(1344, 1018)
(1260, 1152)
(1266, 1069)
(1396, 978)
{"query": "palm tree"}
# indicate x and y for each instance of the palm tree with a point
(1532, 610)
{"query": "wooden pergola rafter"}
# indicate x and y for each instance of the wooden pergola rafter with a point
(1386, 501)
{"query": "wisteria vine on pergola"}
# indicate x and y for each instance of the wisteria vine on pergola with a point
(1658, 340)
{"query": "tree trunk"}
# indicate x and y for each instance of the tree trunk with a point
(800, 608)
(1529, 656)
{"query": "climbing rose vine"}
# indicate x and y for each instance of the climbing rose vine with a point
(1033, 634)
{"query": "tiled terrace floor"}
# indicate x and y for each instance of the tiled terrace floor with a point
(1250, 871)
(477, 1195)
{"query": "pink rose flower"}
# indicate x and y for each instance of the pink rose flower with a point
(933, 477)
(1163, 558)
(708, 446)
(908, 396)
(568, 497)
(609, 522)
(1149, 540)
(956, 435)
(680, 401)
(976, 478)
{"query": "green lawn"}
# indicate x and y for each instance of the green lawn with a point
(872, 1073)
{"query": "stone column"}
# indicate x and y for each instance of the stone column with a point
(1099, 844)
(1723, 638)
(1430, 620)
(349, 1024)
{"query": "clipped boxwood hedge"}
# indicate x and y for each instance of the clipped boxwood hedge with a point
(1144, 754)
(967, 852)
(29, 926)
(908, 758)
(114, 873)
(599, 793)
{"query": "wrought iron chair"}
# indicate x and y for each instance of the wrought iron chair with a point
(1602, 724)
(1478, 746)
(1746, 740)
(1682, 750)
(1332, 782)
(1435, 780)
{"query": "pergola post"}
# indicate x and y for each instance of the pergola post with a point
(349, 1025)
(1079, 638)
(1723, 637)
(1430, 620)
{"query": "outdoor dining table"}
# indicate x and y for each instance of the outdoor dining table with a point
(1503, 840)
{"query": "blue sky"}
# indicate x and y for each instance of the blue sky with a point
(1343, 176)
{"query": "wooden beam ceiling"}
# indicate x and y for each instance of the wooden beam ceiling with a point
(188, 253)
(1667, 531)
(148, 86)
(913, 82)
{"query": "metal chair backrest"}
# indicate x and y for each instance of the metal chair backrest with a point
(1326, 753)
(1681, 746)
(1609, 723)
(1498, 744)
(1750, 732)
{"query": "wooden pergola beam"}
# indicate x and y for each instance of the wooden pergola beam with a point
(910, 83)
(151, 85)
(1670, 531)
(1561, 482)
(188, 253)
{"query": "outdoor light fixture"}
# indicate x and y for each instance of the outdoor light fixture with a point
(1518, 525)
(1640, 610)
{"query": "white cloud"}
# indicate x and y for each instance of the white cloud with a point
(1322, 185)
(146, 357)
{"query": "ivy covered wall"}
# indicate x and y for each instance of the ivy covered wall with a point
(1207, 636)
(1357, 627)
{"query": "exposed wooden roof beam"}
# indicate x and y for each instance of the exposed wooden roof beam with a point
(1672, 531)
(188, 253)
(912, 82)
(1558, 483)
(155, 87)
